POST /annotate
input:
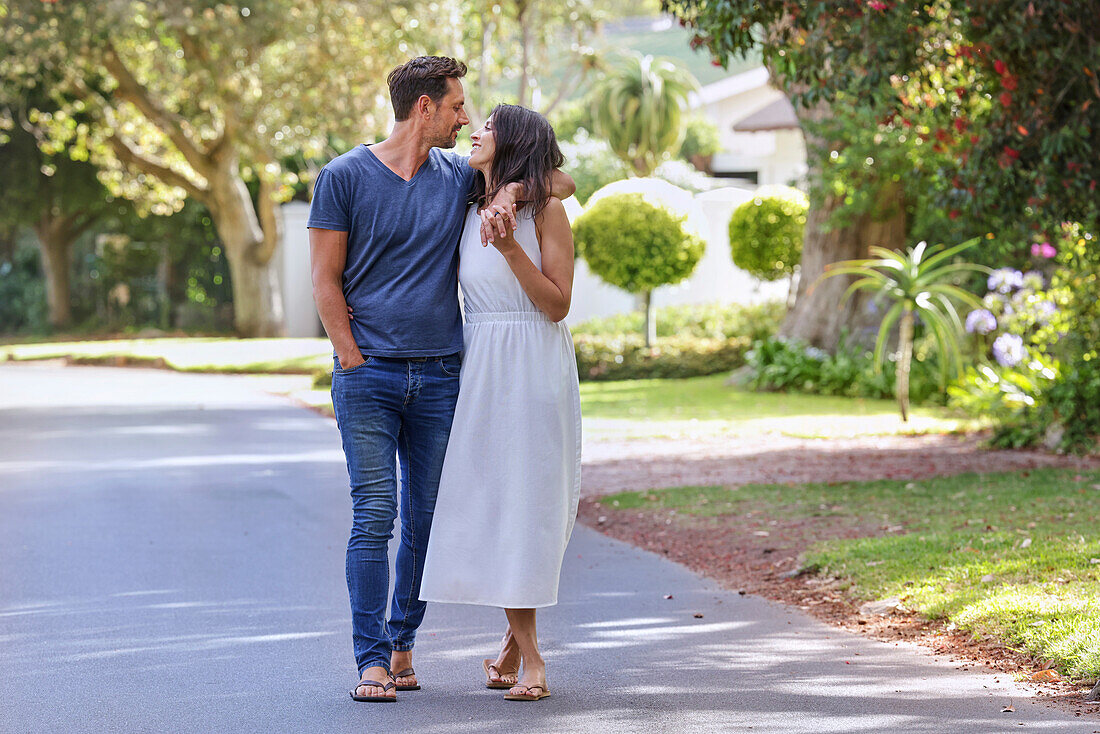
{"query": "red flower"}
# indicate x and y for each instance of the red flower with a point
(1012, 152)
(874, 5)
(1005, 99)
(960, 124)
(953, 214)
(1008, 82)
(1073, 166)
(960, 92)
(999, 67)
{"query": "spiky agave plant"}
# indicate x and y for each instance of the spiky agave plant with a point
(918, 282)
(638, 107)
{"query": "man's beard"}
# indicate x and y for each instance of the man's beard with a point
(447, 140)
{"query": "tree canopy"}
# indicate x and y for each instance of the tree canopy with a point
(1001, 96)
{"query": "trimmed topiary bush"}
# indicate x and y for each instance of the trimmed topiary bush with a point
(766, 232)
(636, 246)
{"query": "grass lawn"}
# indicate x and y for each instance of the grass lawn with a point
(222, 354)
(705, 406)
(1015, 555)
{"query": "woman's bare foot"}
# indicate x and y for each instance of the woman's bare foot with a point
(505, 669)
(533, 682)
(375, 674)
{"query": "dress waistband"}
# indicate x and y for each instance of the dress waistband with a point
(487, 316)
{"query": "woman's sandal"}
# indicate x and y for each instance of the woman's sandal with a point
(372, 699)
(544, 692)
(497, 685)
(405, 674)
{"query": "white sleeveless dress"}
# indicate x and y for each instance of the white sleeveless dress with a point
(510, 485)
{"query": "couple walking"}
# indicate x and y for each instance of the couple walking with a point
(487, 506)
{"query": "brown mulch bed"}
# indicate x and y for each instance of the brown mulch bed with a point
(759, 554)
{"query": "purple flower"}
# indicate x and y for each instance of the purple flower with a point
(1033, 279)
(1009, 350)
(1044, 250)
(1045, 310)
(1005, 280)
(980, 321)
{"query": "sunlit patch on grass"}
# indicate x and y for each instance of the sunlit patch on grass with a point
(1015, 555)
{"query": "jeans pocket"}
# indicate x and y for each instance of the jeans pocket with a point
(338, 370)
(451, 364)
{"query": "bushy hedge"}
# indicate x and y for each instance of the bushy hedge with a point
(788, 365)
(693, 340)
(626, 357)
(705, 321)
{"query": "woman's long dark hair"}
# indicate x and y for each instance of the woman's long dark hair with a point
(526, 152)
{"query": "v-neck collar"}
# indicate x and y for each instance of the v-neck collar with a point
(427, 162)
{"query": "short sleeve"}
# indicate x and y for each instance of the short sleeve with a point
(460, 164)
(330, 207)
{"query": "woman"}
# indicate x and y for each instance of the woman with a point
(511, 478)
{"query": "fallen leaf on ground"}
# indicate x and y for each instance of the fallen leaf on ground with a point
(1007, 710)
(881, 608)
(1044, 676)
(698, 615)
(1026, 543)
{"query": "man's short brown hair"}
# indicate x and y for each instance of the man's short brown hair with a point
(423, 75)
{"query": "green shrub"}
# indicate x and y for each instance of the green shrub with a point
(707, 321)
(700, 138)
(22, 292)
(787, 365)
(626, 357)
(766, 232)
(636, 245)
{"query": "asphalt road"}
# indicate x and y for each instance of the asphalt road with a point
(171, 560)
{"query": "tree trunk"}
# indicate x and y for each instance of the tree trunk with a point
(56, 246)
(257, 297)
(650, 319)
(818, 316)
(904, 363)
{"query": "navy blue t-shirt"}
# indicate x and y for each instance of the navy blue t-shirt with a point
(401, 274)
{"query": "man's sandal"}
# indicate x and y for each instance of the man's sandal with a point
(405, 674)
(372, 699)
(499, 685)
(544, 692)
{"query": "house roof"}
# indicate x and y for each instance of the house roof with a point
(729, 87)
(779, 115)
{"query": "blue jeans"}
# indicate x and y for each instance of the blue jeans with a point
(387, 407)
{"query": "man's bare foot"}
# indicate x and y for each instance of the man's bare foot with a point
(401, 660)
(376, 674)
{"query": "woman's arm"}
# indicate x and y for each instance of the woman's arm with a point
(551, 288)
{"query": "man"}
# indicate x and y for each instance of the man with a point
(384, 228)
